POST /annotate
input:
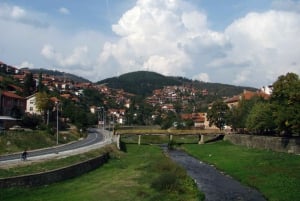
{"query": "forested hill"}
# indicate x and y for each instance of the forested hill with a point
(144, 82)
(140, 82)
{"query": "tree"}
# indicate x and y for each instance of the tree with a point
(218, 114)
(239, 114)
(41, 87)
(29, 84)
(260, 119)
(285, 100)
(43, 103)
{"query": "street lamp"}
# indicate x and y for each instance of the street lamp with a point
(104, 119)
(57, 103)
(101, 118)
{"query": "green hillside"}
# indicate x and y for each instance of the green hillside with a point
(140, 82)
(144, 82)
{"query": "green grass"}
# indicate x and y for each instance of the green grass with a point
(142, 173)
(17, 141)
(48, 165)
(276, 175)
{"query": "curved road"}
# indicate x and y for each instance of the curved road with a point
(95, 136)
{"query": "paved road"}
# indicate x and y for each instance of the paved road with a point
(215, 185)
(94, 138)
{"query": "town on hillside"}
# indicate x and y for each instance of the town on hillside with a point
(110, 106)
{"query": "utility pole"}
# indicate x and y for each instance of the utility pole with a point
(57, 103)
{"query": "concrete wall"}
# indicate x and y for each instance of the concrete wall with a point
(280, 144)
(54, 175)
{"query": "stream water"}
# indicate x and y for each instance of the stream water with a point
(215, 185)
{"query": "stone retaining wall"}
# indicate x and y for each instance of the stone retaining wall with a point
(280, 144)
(57, 175)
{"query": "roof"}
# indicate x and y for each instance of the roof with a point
(232, 99)
(11, 95)
(54, 99)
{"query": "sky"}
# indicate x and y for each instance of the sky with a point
(244, 43)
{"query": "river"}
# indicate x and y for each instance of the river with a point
(215, 185)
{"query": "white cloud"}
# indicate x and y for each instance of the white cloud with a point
(263, 46)
(20, 15)
(172, 38)
(17, 12)
(167, 36)
(64, 11)
(11, 12)
(204, 77)
(26, 64)
(157, 36)
(77, 58)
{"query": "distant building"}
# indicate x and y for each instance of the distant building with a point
(246, 95)
(267, 89)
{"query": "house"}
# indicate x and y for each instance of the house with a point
(31, 105)
(11, 104)
(168, 107)
(199, 119)
(232, 101)
(246, 95)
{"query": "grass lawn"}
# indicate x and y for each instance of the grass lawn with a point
(142, 173)
(30, 168)
(17, 141)
(276, 175)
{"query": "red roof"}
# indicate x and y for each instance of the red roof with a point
(232, 99)
(11, 95)
(54, 99)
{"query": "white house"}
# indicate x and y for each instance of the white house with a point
(31, 105)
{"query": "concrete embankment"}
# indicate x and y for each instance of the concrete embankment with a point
(57, 175)
(279, 144)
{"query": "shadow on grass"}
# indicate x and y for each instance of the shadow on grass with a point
(123, 146)
(217, 138)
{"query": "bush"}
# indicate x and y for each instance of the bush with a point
(171, 176)
(165, 181)
(31, 121)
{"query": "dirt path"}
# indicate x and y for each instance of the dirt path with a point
(215, 185)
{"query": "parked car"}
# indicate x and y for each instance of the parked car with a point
(16, 128)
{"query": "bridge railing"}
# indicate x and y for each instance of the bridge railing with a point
(169, 132)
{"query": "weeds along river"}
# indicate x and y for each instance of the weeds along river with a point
(214, 184)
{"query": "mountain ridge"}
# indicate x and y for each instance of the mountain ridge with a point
(144, 82)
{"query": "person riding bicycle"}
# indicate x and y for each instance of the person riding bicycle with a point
(24, 155)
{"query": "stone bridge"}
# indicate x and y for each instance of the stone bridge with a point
(169, 132)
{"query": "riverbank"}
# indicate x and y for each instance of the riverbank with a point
(216, 185)
(276, 175)
(140, 173)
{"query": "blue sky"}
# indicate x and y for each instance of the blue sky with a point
(248, 43)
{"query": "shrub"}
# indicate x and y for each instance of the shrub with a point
(165, 181)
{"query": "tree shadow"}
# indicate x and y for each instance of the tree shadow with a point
(217, 138)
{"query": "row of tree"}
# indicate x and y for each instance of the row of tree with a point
(280, 114)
